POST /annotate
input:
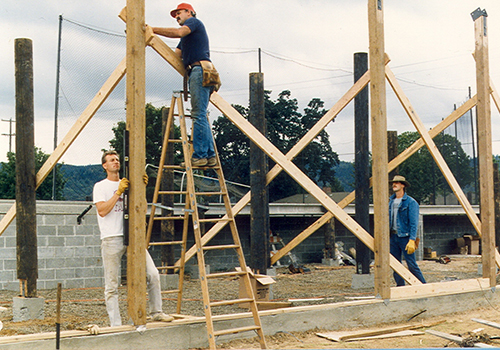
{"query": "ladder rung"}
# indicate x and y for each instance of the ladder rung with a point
(170, 208)
(214, 220)
(168, 267)
(231, 302)
(169, 218)
(172, 291)
(215, 247)
(174, 167)
(210, 193)
(165, 243)
(226, 274)
(175, 140)
(236, 330)
(172, 192)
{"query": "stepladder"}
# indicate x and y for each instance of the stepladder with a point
(193, 222)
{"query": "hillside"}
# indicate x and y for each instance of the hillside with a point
(81, 180)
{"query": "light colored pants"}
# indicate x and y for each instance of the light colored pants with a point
(112, 250)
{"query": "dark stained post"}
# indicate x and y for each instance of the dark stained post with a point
(259, 212)
(27, 260)
(361, 161)
(167, 200)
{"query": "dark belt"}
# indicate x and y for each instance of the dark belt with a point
(393, 232)
(189, 68)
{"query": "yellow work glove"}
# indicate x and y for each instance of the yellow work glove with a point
(145, 178)
(122, 186)
(410, 247)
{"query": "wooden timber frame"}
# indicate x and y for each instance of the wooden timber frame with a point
(485, 88)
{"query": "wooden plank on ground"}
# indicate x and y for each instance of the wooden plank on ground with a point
(488, 323)
(451, 287)
(455, 338)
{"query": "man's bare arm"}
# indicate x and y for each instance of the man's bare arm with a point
(172, 32)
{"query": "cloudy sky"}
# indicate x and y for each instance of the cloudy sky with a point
(307, 48)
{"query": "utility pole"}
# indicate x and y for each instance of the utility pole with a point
(10, 134)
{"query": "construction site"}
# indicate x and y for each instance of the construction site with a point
(271, 301)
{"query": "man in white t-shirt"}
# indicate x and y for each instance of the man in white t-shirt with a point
(109, 203)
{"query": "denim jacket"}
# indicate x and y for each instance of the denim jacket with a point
(407, 218)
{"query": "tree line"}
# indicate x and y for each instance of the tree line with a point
(286, 125)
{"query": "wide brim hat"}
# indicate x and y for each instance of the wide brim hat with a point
(399, 178)
(182, 6)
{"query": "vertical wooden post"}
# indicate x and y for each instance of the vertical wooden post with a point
(259, 209)
(379, 149)
(484, 146)
(167, 200)
(361, 160)
(136, 120)
(27, 261)
(496, 185)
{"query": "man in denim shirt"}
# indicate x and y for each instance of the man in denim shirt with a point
(403, 218)
(193, 48)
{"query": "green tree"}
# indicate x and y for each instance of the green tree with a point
(154, 142)
(285, 127)
(44, 191)
(424, 175)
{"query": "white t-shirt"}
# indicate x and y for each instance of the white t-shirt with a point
(112, 224)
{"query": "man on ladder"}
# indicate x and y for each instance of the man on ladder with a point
(194, 50)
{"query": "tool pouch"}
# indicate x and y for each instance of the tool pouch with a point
(210, 75)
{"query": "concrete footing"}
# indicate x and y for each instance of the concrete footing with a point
(169, 282)
(330, 262)
(362, 281)
(24, 309)
(191, 333)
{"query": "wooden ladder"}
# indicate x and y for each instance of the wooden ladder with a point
(191, 210)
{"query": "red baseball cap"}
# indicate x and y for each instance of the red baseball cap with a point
(182, 6)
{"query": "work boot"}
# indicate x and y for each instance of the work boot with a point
(212, 161)
(161, 317)
(196, 162)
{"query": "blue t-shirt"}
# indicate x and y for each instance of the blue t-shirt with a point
(194, 46)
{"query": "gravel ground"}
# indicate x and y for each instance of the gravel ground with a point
(81, 307)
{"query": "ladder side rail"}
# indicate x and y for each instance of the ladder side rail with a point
(160, 169)
(191, 199)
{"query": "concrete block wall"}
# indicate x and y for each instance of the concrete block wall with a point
(68, 253)
(442, 230)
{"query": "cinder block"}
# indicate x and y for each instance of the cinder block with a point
(24, 309)
(363, 281)
(169, 282)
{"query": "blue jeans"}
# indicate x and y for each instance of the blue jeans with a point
(203, 142)
(398, 245)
